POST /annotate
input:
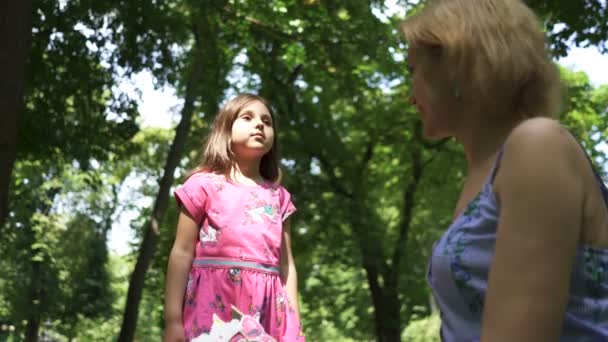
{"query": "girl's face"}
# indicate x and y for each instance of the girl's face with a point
(252, 131)
(430, 94)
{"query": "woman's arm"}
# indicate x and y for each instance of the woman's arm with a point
(180, 262)
(289, 276)
(540, 189)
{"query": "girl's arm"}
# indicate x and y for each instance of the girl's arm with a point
(289, 276)
(540, 189)
(180, 262)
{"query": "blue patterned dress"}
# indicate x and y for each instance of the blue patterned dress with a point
(461, 260)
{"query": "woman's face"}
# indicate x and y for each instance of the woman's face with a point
(431, 94)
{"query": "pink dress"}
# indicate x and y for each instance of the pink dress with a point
(237, 255)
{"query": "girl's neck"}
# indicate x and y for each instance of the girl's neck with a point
(247, 171)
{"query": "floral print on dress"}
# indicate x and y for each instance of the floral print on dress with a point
(210, 236)
(260, 211)
(235, 275)
(280, 306)
(455, 247)
(258, 309)
(190, 299)
(274, 191)
(596, 270)
(197, 330)
(472, 210)
(218, 181)
(218, 304)
(267, 253)
(240, 328)
(213, 213)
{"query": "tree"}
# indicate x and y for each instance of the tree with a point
(67, 97)
(15, 38)
(54, 271)
(581, 22)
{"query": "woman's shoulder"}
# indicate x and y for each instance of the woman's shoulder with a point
(538, 126)
(540, 149)
(545, 137)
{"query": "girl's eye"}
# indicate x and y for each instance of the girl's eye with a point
(246, 117)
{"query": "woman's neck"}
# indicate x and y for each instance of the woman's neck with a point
(482, 139)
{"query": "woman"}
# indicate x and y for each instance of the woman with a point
(526, 255)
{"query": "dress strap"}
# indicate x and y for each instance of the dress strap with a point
(598, 176)
(496, 164)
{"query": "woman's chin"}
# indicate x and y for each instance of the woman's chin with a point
(430, 133)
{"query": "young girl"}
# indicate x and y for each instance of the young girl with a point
(231, 270)
(526, 255)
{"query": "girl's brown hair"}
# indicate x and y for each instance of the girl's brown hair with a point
(217, 155)
(494, 52)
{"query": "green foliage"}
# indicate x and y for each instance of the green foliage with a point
(57, 270)
(72, 110)
(578, 22)
(423, 330)
(585, 113)
(101, 328)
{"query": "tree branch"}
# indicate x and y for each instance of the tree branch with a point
(256, 24)
(334, 182)
(408, 204)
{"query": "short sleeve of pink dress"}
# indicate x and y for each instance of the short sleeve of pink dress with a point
(237, 257)
(192, 196)
(287, 206)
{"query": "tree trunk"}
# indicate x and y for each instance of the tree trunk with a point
(383, 278)
(387, 306)
(37, 292)
(15, 40)
(31, 330)
(33, 321)
(385, 298)
(150, 240)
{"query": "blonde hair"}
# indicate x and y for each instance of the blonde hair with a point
(493, 52)
(217, 155)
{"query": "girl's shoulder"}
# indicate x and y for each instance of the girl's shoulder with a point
(281, 191)
(274, 186)
(205, 179)
(206, 175)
